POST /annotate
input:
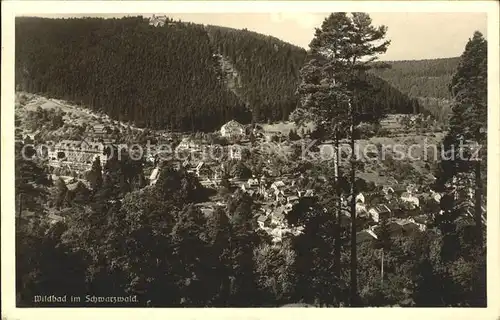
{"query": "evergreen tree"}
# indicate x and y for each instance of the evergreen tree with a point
(468, 125)
(383, 243)
(219, 249)
(332, 81)
(95, 175)
(188, 257)
(61, 191)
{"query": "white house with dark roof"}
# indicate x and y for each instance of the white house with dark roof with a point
(378, 211)
(293, 199)
(360, 198)
(232, 129)
(277, 185)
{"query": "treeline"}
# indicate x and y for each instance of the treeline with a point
(165, 77)
(421, 78)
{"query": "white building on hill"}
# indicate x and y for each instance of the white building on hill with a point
(158, 21)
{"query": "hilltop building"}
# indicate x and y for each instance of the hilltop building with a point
(158, 21)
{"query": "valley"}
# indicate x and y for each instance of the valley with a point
(196, 165)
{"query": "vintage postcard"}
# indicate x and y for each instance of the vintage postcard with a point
(238, 159)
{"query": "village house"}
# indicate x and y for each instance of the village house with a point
(277, 235)
(188, 144)
(293, 199)
(235, 152)
(76, 152)
(379, 211)
(54, 218)
(420, 225)
(99, 131)
(395, 189)
(361, 209)
(232, 129)
(77, 185)
(305, 193)
(365, 235)
(253, 182)
(263, 221)
(277, 217)
(246, 187)
(411, 199)
(404, 227)
(278, 185)
(279, 196)
(270, 136)
(436, 196)
(360, 198)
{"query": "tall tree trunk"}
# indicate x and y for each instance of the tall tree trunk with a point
(338, 204)
(354, 282)
(382, 268)
(478, 203)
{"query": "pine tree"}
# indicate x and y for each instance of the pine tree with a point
(219, 248)
(467, 127)
(95, 175)
(61, 191)
(383, 243)
(333, 78)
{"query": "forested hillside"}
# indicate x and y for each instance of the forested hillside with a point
(268, 67)
(156, 77)
(421, 78)
(168, 77)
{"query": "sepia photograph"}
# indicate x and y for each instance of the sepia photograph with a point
(251, 159)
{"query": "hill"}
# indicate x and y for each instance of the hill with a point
(178, 76)
(421, 78)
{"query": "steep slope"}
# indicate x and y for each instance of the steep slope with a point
(268, 67)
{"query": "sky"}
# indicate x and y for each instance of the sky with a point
(413, 35)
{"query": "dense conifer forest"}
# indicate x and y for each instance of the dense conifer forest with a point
(421, 78)
(173, 77)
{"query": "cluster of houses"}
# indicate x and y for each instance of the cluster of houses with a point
(273, 219)
(400, 222)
